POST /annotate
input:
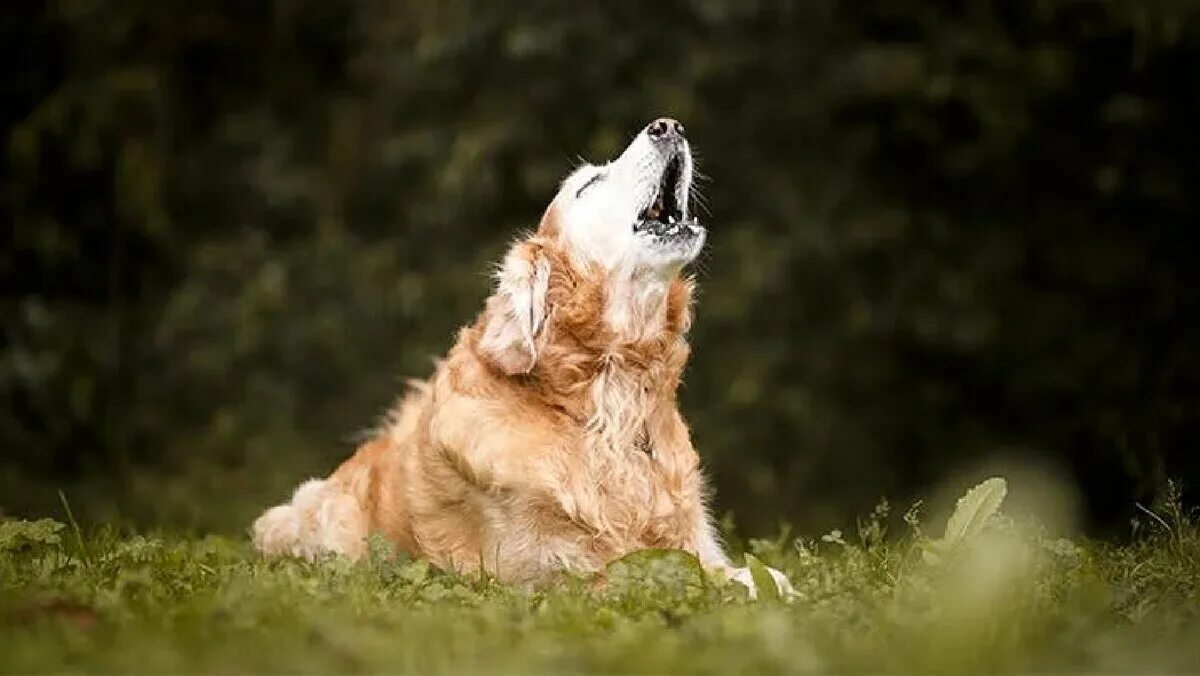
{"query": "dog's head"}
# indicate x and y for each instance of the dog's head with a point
(632, 214)
(603, 268)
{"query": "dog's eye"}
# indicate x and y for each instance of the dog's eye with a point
(591, 181)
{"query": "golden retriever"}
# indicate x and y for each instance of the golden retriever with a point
(549, 437)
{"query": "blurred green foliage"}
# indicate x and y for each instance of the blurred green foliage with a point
(940, 231)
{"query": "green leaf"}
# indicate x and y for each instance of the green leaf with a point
(973, 510)
(663, 572)
(763, 581)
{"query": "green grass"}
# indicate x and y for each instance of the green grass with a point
(999, 596)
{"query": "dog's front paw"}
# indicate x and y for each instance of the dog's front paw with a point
(743, 577)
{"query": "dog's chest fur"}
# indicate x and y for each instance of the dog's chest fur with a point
(571, 495)
(626, 484)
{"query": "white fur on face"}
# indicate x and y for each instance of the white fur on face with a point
(598, 207)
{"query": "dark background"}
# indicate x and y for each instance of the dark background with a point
(945, 236)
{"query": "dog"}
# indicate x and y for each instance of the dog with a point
(549, 438)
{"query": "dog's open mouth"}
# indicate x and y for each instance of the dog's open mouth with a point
(666, 216)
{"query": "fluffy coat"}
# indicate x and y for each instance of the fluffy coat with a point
(549, 437)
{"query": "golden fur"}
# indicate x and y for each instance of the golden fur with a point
(548, 438)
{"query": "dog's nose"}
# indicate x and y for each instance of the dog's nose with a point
(665, 128)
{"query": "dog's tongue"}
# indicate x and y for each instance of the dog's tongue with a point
(656, 209)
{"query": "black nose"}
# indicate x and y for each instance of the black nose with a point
(665, 127)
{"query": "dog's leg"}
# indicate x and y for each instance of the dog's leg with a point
(713, 559)
(322, 517)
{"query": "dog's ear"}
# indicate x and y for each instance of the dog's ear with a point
(515, 319)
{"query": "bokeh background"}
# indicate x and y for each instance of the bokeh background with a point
(946, 237)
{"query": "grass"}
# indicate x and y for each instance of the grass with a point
(993, 595)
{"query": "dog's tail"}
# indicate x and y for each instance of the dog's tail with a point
(322, 517)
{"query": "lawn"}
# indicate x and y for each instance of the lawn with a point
(989, 594)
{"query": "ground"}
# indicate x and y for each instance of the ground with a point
(992, 595)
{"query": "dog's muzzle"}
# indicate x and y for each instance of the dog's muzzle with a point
(667, 215)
